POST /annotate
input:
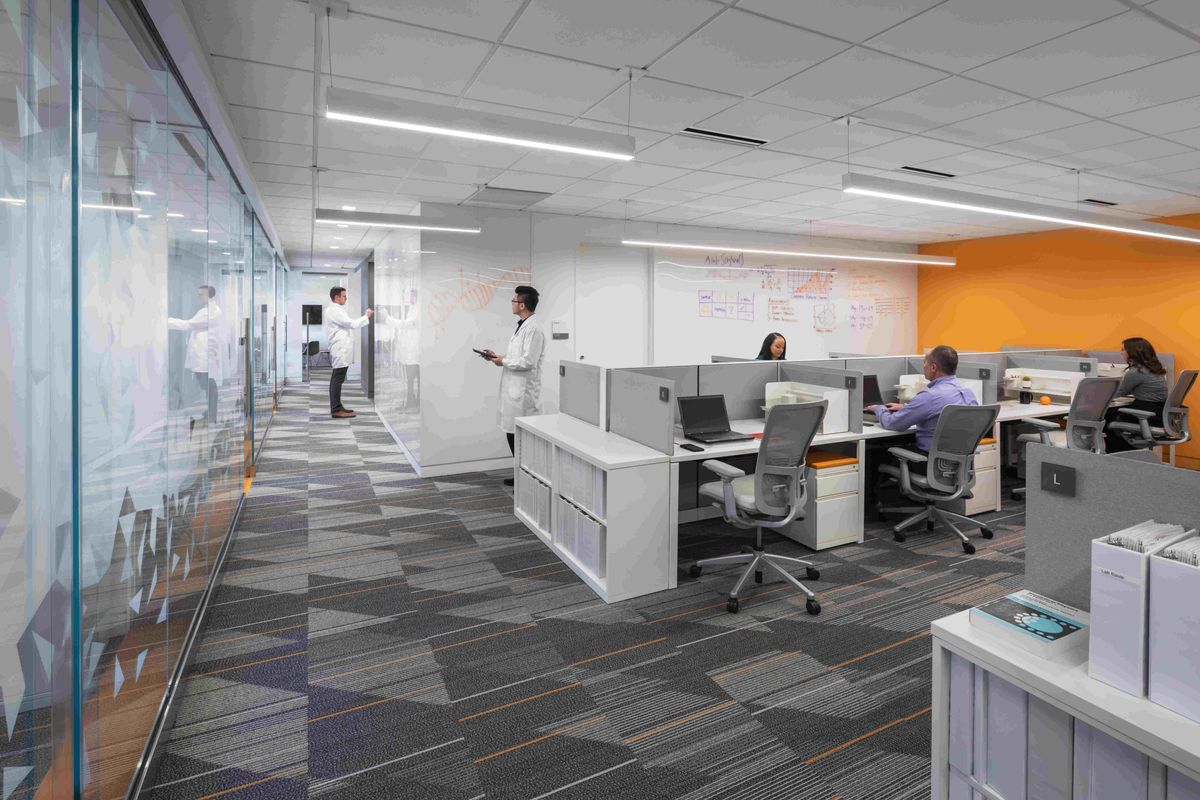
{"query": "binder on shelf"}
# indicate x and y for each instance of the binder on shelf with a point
(1120, 603)
(1174, 629)
(1106, 768)
(1033, 622)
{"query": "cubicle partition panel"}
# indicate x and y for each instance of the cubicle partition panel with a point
(641, 408)
(686, 377)
(995, 361)
(1115, 357)
(743, 384)
(580, 387)
(725, 359)
(1075, 496)
(850, 380)
(1059, 363)
(1042, 351)
(887, 369)
(986, 374)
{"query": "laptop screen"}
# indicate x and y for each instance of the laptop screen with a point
(871, 394)
(704, 414)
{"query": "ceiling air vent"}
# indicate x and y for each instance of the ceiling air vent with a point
(728, 138)
(1096, 202)
(496, 197)
(933, 173)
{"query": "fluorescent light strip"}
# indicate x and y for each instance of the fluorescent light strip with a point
(362, 219)
(415, 227)
(829, 271)
(103, 207)
(13, 201)
(886, 258)
(174, 215)
(144, 192)
(968, 201)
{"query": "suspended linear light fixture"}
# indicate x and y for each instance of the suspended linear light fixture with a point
(481, 126)
(364, 219)
(843, 255)
(870, 186)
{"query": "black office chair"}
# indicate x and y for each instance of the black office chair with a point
(1141, 434)
(309, 350)
(770, 497)
(1085, 421)
(949, 471)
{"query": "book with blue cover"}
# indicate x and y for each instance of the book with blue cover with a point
(1034, 623)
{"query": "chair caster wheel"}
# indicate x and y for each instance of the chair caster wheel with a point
(695, 570)
(986, 533)
(812, 607)
(732, 605)
(758, 576)
(899, 537)
(813, 574)
(968, 548)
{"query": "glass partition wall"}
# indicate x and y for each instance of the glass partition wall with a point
(139, 376)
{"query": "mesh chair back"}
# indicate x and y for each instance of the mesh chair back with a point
(313, 348)
(952, 452)
(779, 476)
(1085, 422)
(1175, 414)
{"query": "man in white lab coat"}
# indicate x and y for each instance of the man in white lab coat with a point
(521, 380)
(339, 337)
(203, 353)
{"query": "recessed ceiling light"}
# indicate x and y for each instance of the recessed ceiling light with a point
(401, 221)
(143, 216)
(109, 207)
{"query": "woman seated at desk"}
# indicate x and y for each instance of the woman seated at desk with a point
(774, 348)
(1144, 379)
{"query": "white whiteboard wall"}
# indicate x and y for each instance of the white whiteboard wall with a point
(709, 304)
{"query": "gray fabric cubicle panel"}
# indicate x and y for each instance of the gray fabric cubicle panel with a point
(1114, 357)
(640, 408)
(996, 361)
(851, 380)
(685, 377)
(725, 359)
(970, 370)
(887, 369)
(1044, 351)
(579, 388)
(1063, 363)
(744, 385)
(1111, 493)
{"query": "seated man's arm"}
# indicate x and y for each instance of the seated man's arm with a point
(914, 412)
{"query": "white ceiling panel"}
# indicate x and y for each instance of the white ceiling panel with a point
(940, 103)
(1155, 166)
(515, 111)
(427, 169)
(567, 204)
(1117, 154)
(436, 191)
(368, 138)
(689, 152)
(1087, 136)
(615, 32)
(970, 162)
(264, 86)
(660, 105)
(294, 155)
(714, 203)
(602, 190)
(823, 173)
(1166, 118)
(1149, 86)
(278, 173)
(763, 190)
(759, 120)
(630, 208)
(531, 181)
(707, 182)
(853, 20)
(643, 174)
(485, 19)
(717, 56)
(830, 141)
(561, 164)
(850, 81)
(269, 31)
(666, 197)
(1015, 122)
(518, 78)
(907, 152)
(389, 52)
(1191, 138)
(1108, 48)
(480, 154)
(272, 126)
(961, 34)
(1184, 13)
(1007, 176)
(762, 164)
(353, 161)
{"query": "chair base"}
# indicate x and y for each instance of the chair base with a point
(755, 559)
(931, 514)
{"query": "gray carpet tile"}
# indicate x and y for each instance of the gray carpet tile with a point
(380, 635)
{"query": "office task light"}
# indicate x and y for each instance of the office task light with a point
(836, 255)
(364, 219)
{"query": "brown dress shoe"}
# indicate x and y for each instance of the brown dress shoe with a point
(343, 414)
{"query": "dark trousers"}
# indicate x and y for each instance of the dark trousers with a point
(512, 442)
(1115, 442)
(335, 389)
(209, 387)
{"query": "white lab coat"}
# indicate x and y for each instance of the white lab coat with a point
(204, 339)
(339, 334)
(521, 375)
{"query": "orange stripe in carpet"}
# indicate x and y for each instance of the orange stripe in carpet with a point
(431, 652)
(518, 702)
(550, 735)
(616, 652)
(867, 735)
(678, 722)
(422, 690)
(239, 788)
(879, 650)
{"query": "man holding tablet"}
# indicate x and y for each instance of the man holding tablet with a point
(521, 379)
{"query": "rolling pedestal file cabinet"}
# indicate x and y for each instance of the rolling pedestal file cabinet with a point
(833, 512)
(985, 495)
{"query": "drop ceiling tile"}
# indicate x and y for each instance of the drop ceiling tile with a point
(370, 139)
(531, 181)
(263, 85)
(602, 190)
(763, 190)
(1166, 118)
(434, 191)
(276, 173)
(714, 203)
(270, 188)
(562, 164)
(643, 174)
(1154, 85)
(673, 214)
(706, 182)
(1115, 155)
(621, 209)
(771, 208)
(667, 197)
(853, 20)
(336, 179)
(515, 111)
(971, 162)
(615, 32)
(1007, 176)
(1155, 166)
(566, 204)
(271, 126)
(1108, 48)
(762, 164)
(480, 154)
(1014, 122)
(269, 31)
(689, 152)
(1066, 140)
(531, 80)
(377, 50)
(940, 103)
(759, 120)
(1184, 13)
(293, 155)
(961, 34)
(823, 174)
(851, 81)
(485, 19)
(660, 105)
(352, 161)
(427, 169)
(720, 55)
(1190, 138)
(906, 152)
(829, 141)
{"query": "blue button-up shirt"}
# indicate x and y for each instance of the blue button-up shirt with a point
(924, 409)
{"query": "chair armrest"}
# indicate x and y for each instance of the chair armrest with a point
(1136, 412)
(1045, 424)
(723, 470)
(907, 455)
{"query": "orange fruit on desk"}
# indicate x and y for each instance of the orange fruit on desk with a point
(1044, 400)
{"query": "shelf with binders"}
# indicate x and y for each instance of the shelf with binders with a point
(533, 503)
(535, 455)
(580, 482)
(580, 536)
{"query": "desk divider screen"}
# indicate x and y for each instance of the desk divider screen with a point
(1114, 357)
(1061, 363)
(1111, 493)
(968, 370)
(686, 379)
(744, 385)
(580, 387)
(851, 380)
(724, 359)
(641, 408)
(887, 369)
(1042, 351)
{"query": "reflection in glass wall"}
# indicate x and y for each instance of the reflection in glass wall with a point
(35, 398)
(263, 326)
(397, 343)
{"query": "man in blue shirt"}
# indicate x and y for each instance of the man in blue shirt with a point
(941, 366)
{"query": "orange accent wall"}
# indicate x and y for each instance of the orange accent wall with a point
(1067, 288)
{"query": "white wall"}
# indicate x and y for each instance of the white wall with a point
(306, 288)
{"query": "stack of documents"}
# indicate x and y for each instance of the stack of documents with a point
(1174, 647)
(1187, 552)
(1144, 537)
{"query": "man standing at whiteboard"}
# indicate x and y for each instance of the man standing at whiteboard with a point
(521, 379)
(339, 338)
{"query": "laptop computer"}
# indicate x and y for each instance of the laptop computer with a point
(871, 397)
(705, 419)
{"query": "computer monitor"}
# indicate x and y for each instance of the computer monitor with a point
(703, 414)
(871, 393)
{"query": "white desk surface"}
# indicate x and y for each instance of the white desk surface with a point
(1166, 736)
(602, 448)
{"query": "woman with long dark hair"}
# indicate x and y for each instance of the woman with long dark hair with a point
(774, 348)
(1144, 380)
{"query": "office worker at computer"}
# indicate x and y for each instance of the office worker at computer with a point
(1144, 380)
(940, 369)
(521, 380)
(774, 348)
